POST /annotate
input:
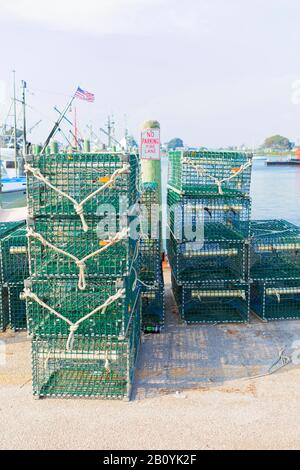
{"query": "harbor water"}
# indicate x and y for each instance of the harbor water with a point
(275, 192)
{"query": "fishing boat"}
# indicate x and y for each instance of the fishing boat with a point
(12, 150)
(291, 160)
(282, 161)
(12, 190)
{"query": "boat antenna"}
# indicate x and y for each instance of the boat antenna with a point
(110, 137)
(72, 134)
(34, 126)
(126, 131)
(56, 125)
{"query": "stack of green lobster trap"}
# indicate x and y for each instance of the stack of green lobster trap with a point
(83, 297)
(13, 272)
(88, 266)
(151, 276)
(209, 226)
(275, 269)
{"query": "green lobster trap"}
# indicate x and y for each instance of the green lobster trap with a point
(186, 214)
(276, 300)
(219, 303)
(210, 173)
(17, 307)
(58, 308)
(149, 194)
(14, 256)
(275, 250)
(7, 227)
(59, 248)
(81, 184)
(213, 260)
(150, 219)
(95, 367)
(150, 210)
(153, 309)
(3, 308)
(150, 275)
(150, 261)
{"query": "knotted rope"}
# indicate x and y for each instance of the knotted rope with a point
(80, 263)
(201, 171)
(78, 206)
(73, 327)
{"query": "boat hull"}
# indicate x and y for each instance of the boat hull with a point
(13, 193)
(283, 162)
(12, 199)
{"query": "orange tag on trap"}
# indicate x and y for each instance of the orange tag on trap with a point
(103, 243)
(235, 170)
(104, 179)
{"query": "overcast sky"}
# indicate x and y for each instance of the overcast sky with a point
(214, 72)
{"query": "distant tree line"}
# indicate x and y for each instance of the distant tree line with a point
(274, 142)
(175, 143)
(277, 142)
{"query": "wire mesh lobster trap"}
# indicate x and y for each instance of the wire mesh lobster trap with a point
(3, 308)
(220, 303)
(150, 275)
(59, 248)
(81, 184)
(58, 308)
(153, 309)
(150, 194)
(150, 261)
(150, 212)
(14, 256)
(275, 250)
(208, 261)
(83, 296)
(210, 173)
(16, 307)
(187, 213)
(7, 227)
(95, 367)
(276, 300)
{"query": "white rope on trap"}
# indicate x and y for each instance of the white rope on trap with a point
(80, 263)
(201, 171)
(278, 292)
(199, 294)
(73, 327)
(78, 206)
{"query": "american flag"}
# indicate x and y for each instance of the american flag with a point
(85, 95)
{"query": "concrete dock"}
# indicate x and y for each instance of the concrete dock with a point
(197, 387)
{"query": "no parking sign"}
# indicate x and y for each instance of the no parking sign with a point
(150, 144)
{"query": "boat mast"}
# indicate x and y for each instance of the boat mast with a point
(24, 86)
(15, 124)
(75, 128)
(109, 129)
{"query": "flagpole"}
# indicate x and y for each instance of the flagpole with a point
(56, 125)
(75, 128)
